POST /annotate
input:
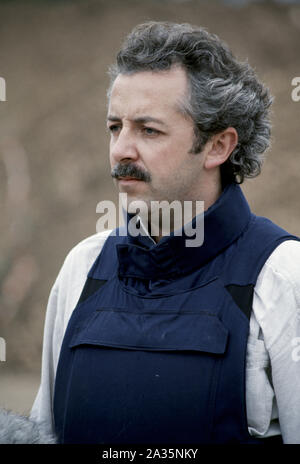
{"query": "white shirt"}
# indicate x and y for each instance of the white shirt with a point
(273, 350)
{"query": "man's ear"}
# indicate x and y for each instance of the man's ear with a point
(220, 147)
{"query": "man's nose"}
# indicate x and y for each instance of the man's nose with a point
(124, 146)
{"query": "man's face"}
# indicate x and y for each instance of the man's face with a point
(151, 139)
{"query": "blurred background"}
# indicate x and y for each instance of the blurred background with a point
(54, 165)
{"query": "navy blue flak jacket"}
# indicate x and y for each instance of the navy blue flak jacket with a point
(155, 349)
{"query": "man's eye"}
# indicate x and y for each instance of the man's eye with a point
(113, 128)
(150, 131)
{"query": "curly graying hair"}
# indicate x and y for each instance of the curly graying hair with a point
(223, 92)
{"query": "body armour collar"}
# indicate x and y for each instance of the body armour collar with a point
(224, 222)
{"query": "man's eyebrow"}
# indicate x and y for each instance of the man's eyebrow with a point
(139, 120)
(113, 118)
(147, 119)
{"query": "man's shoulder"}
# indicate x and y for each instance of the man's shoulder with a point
(277, 297)
(86, 251)
(281, 272)
(91, 243)
(285, 258)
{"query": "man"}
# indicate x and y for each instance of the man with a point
(169, 343)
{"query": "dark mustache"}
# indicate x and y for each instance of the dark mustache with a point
(130, 170)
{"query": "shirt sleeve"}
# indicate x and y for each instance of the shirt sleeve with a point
(42, 407)
(277, 311)
(63, 298)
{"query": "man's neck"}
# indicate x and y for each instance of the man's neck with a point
(163, 220)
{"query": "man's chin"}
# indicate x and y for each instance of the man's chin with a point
(135, 203)
(130, 186)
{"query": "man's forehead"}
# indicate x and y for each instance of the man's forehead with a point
(148, 91)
